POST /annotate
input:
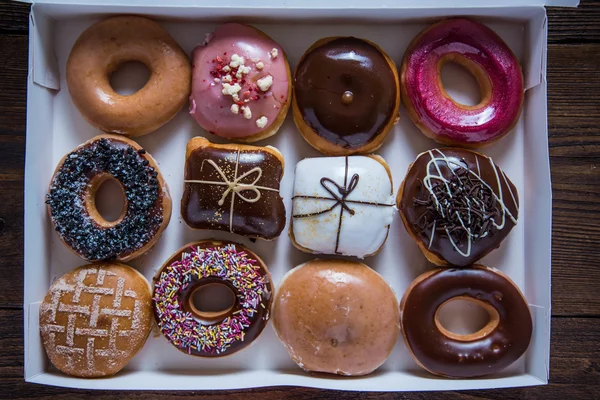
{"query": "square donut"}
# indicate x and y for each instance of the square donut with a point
(233, 188)
(342, 205)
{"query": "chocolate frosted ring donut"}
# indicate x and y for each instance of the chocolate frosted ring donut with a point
(485, 55)
(106, 45)
(346, 96)
(494, 347)
(72, 207)
(212, 333)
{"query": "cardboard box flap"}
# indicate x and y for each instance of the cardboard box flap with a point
(328, 4)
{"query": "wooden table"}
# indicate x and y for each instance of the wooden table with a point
(574, 126)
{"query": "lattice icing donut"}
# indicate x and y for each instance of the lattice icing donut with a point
(342, 205)
(95, 318)
(458, 205)
(197, 331)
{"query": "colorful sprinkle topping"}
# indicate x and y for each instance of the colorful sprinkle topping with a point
(179, 326)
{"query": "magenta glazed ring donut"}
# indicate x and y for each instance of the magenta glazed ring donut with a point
(485, 55)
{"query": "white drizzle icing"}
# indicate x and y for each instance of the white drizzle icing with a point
(427, 183)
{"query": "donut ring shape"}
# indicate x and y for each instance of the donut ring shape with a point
(105, 46)
(485, 55)
(218, 333)
(72, 208)
(494, 347)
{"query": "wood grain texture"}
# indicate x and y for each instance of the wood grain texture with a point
(573, 120)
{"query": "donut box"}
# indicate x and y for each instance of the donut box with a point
(55, 127)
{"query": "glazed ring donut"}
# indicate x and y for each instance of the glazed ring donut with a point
(214, 333)
(346, 96)
(491, 349)
(482, 52)
(106, 45)
(72, 206)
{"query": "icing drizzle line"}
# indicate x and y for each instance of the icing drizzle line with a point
(341, 200)
(235, 187)
(475, 207)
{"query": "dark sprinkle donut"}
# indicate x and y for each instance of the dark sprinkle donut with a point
(143, 193)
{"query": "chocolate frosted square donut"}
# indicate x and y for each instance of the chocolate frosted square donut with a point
(233, 188)
(342, 205)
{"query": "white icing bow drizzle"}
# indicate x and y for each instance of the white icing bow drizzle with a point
(441, 206)
(235, 187)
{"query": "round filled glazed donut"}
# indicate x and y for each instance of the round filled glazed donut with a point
(485, 55)
(108, 44)
(457, 204)
(494, 347)
(346, 96)
(94, 319)
(336, 316)
(241, 84)
(72, 204)
(212, 332)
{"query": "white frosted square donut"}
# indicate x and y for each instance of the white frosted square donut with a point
(342, 205)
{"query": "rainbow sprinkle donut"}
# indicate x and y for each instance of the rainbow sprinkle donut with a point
(202, 332)
(485, 55)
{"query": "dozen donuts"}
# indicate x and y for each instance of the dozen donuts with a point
(333, 316)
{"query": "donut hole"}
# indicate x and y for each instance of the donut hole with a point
(460, 81)
(466, 319)
(212, 301)
(129, 77)
(108, 202)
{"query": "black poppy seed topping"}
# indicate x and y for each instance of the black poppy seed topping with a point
(144, 214)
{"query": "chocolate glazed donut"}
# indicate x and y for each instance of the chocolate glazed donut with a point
(491, 349)
(458, 205)
(206, 333)
(346, 96)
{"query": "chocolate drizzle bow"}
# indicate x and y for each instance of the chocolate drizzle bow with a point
(235, 187)
(341, 199)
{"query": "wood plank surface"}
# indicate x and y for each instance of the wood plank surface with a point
(574, 134)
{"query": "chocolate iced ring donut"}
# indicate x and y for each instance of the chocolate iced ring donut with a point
(212, 333)
(106, 45)
(457, 204)
(72, 205)
(485, 55)
(346, 96)
(494, 347)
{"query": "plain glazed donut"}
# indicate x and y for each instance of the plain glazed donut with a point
(458, 205)
(72, 207)
(241, 84)
(94, 319)
(491, 349)
(346, 96)
(336, 316)
(106, 45)
(485, 55)
(212, 333)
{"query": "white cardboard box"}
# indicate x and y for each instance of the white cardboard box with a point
(54, 127)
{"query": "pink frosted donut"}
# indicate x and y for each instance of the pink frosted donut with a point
(485, 55)
(241, 84)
